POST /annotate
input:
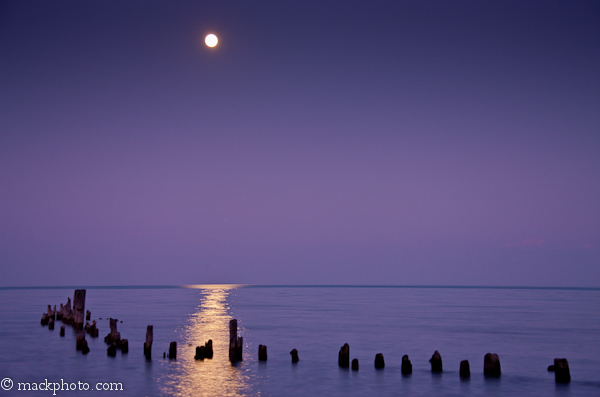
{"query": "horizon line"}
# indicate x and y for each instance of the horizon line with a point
(235, 285)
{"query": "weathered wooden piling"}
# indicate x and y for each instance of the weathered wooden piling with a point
(148, 343)
(262, 353)
(112, 350)
(173, 351)
(67, 313)
(59, 314)
(491, 365)
(124, 346)
(80, 337)
(406, 368)
(45, 319)
(294, 354)
(355, 364)
(84, 347)
(62, 330)
(235, 343)
(88, 315)
(78, 308)
(200, 353)
(436, 362)
(561, 370)
(113, 336)
(465, 369)
(208, 349)
(344, 356)
(379, 361)
(51, 323)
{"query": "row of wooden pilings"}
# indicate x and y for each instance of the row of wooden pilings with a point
(74, 317)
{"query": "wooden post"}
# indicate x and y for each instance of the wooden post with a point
(491, 365)
(561, 370)
(344, 356)
(436, 362)
(235, 343)
(200, 352)
(294, 354)
(465, 369)
(78, 308)
(148, 343)
(379, 361)
(355, 364)
(208, 349)
(406, 368)
(173, 351)
(262, 353)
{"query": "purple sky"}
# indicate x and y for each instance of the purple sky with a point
(322, 142)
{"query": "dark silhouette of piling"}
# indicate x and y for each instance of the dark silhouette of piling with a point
(124, 346)
(112, 350)
(208, 349)
(355, 364)
(406, 368)
(51, 323)
(262, 353)
(294, 354)
(561, 370)
(84, 347)
(379, 361)
(113, 336)
(465, 369)
(148, 343)
(173, 351)
(235, 343)
(78, 308)
(88, 315)
(491, 365)
(80, 337)
(200, 353)
(62, 330)
(344, 356)
(436, 362)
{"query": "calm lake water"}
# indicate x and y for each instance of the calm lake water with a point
(527, 328)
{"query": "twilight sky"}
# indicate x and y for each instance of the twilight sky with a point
(321, 142)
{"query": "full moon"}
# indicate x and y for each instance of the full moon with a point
(211, 40)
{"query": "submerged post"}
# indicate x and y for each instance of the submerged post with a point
(561, 370)
(436, 362)
(262, 353)
(406, 368)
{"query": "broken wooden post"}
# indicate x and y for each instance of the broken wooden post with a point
(67, 315)
(294, 354)
(113, 336)
(112, 350)
(561, 370)
(45, 320)
(200, 353)
(148, 343)
(173, 351)
(491, 365)
(88, 315)
(379, 361)
(465, 369)
(59, 314)
(262, 353)
(235, 343)
(79, 340)
(124, 346)
(62, 330)
(78, 308)
(406, 368)
(436, 362)
(355, 364)
(51, 323)
(344, 356)
(208, 349)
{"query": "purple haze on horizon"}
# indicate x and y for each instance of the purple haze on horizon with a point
(428, 143)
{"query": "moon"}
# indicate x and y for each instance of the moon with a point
(211, 40)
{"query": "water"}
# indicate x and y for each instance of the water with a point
(528, 328)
